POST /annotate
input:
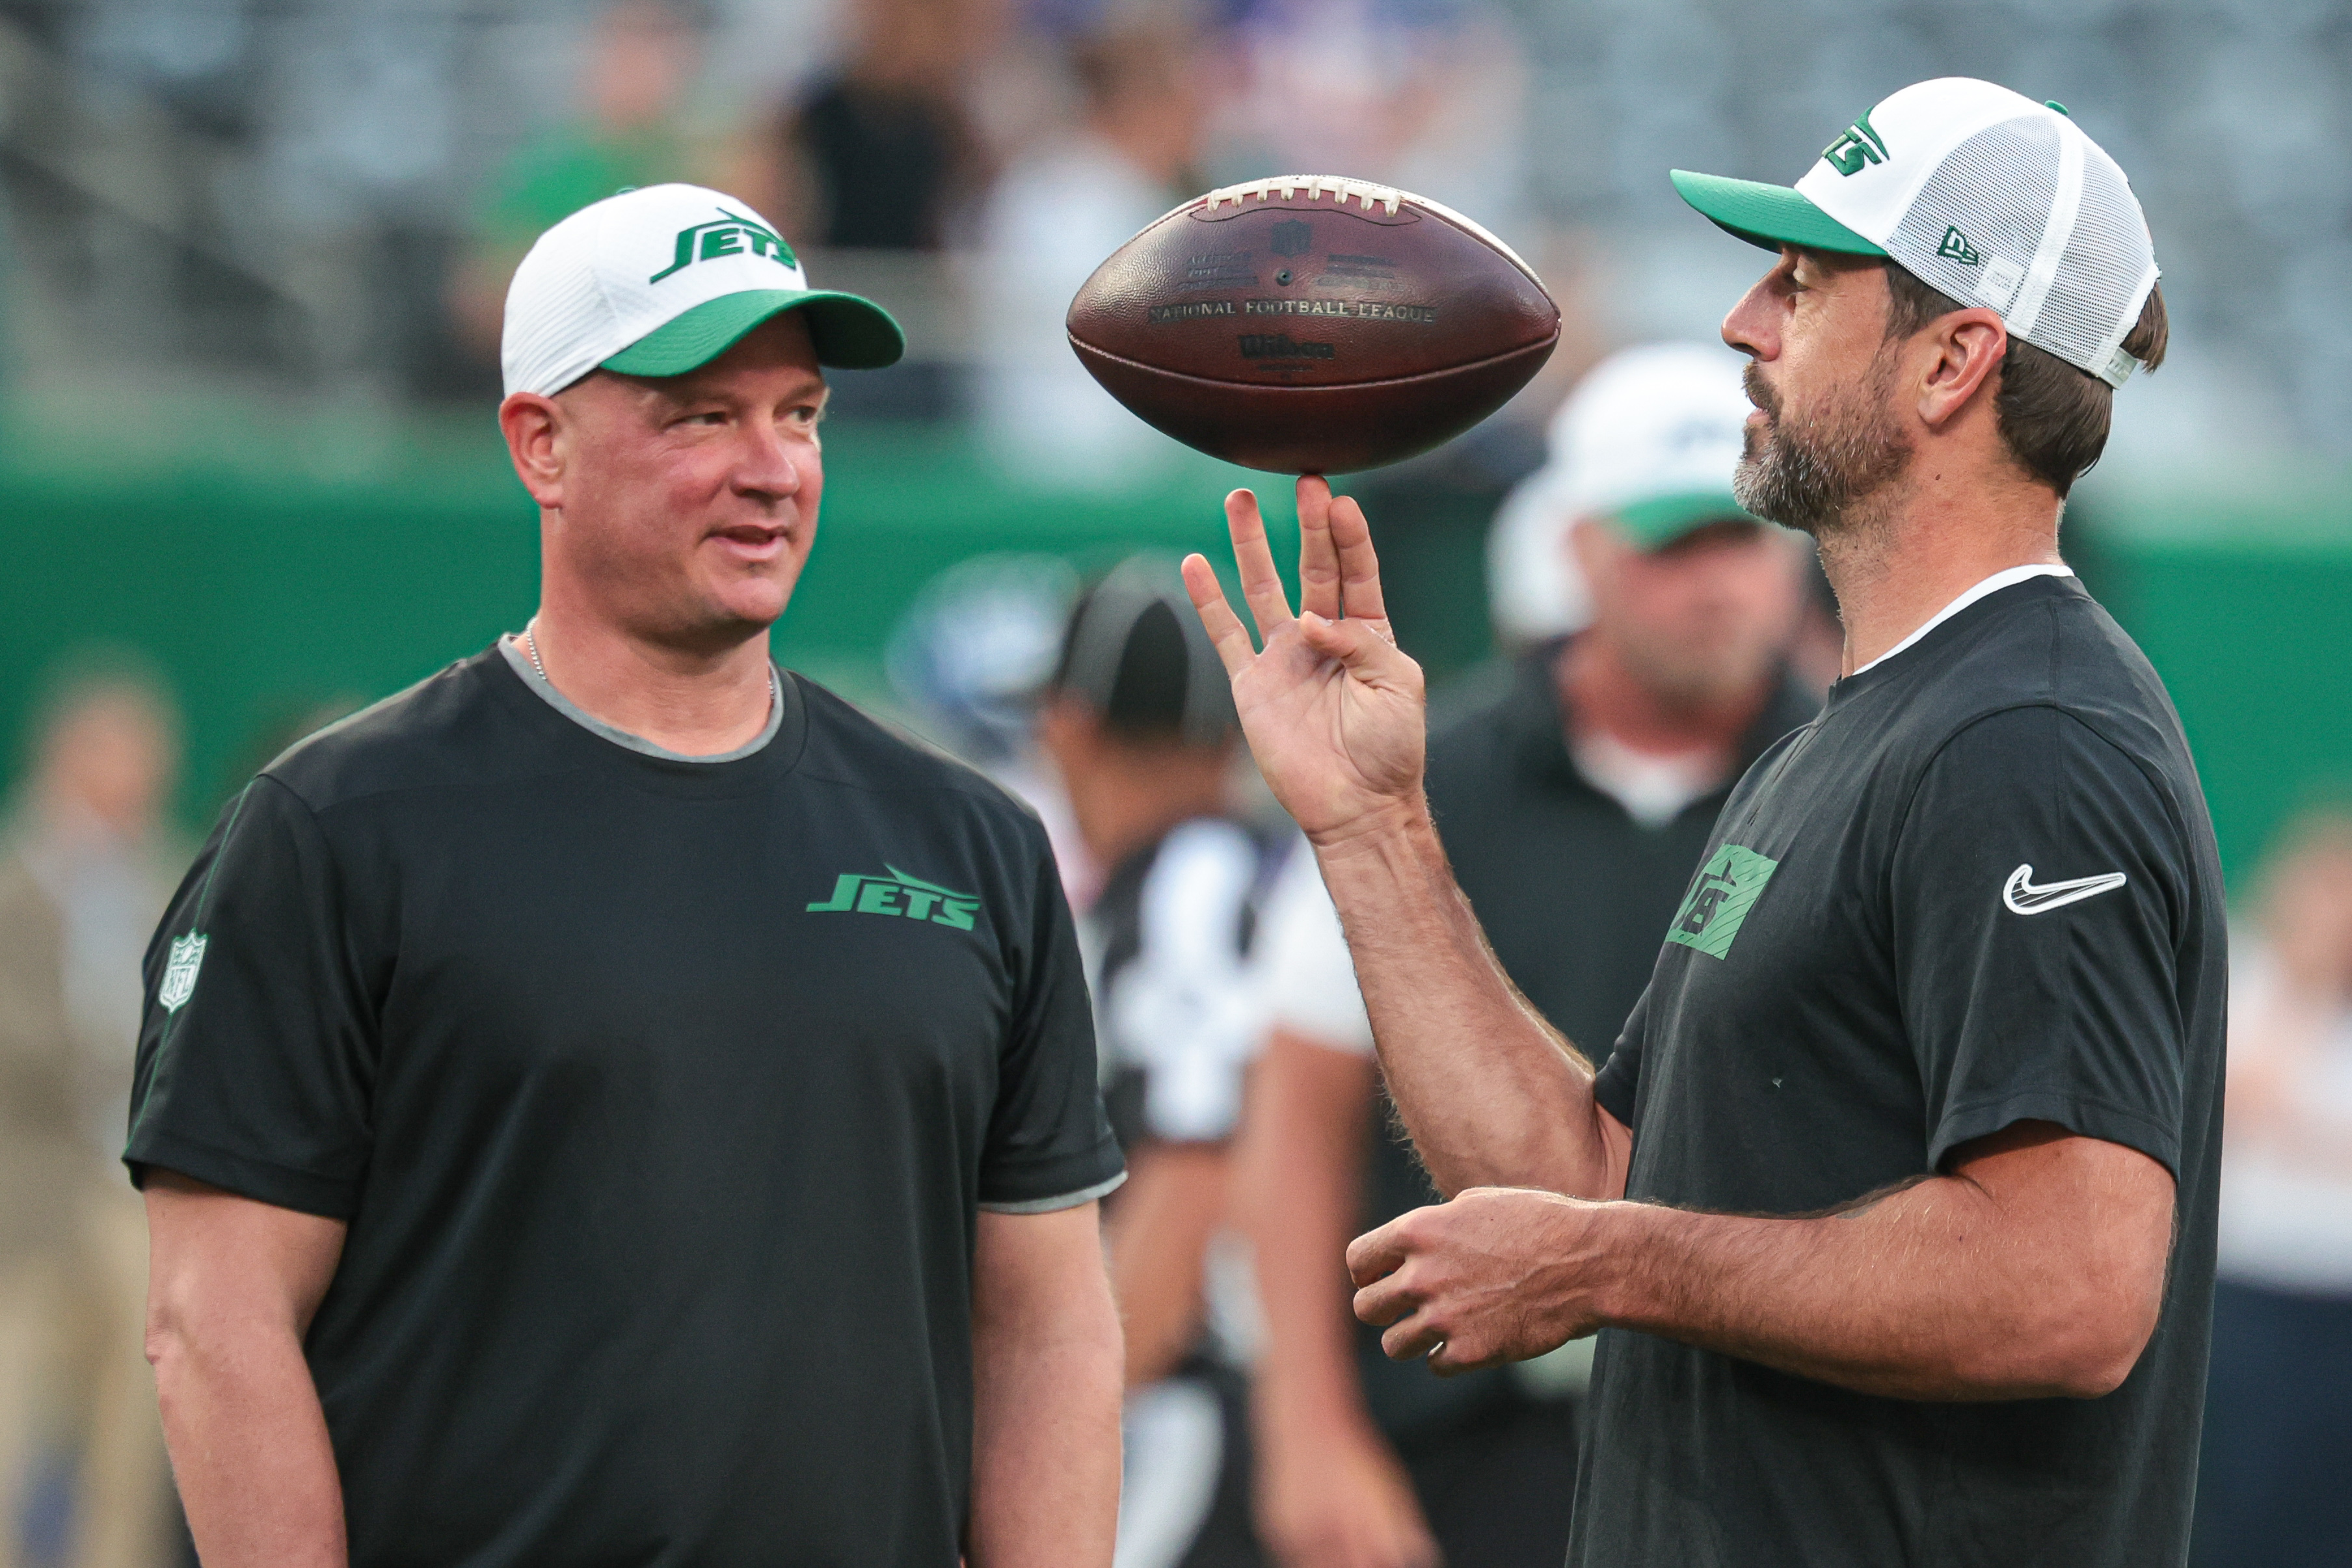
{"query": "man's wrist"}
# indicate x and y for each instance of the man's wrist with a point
(1379, 831)
(1625, 1292)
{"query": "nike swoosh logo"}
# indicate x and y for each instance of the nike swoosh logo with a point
(2025, 898)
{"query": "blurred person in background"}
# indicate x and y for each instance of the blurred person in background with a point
(1140, 721)
(2278, 1414)
(643, 57)
(1576, 806)
(1536, 593)
(1428, 95)
(971, 658)
(880, 153)
(1056, 212)
(87, 865)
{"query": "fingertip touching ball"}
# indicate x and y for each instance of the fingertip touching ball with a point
(1313, 324)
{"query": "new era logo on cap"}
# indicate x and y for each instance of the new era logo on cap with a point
(658, 281)
(1985, 196)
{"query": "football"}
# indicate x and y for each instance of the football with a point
(1313, 324)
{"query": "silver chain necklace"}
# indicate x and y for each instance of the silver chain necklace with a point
(531, 646)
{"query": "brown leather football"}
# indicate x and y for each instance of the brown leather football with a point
(1313, 324)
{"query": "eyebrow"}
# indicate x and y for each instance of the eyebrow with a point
(817, 388)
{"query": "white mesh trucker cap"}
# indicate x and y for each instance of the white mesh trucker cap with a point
(1981, 194)
(661, 280)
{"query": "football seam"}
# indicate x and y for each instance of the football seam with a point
(1078, 342)
(1438, 210)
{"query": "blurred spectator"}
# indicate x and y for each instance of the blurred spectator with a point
(1575, 806)
(971, 658)
(1429, 95)
(2278, 1416)
(86, 868)
(643, 55)
(1054, 216)
(1535, 592)
(1141, 724)
(880, 155)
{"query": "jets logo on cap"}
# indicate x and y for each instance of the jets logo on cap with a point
(1861, 146)
(727, 235)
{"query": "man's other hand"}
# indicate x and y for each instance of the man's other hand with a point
(1333, 710)
(1498, 1274)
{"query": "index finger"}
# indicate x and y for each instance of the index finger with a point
(1254, 561)
(1377, 1254)
(1217, 617)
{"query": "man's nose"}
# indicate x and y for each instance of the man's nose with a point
(1750, 327)
(767, 464)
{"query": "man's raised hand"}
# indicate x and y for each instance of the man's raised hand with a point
(1333, 710)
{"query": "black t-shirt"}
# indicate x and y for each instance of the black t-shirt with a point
(659, 1097)
(1981, 889)
(1573, 893)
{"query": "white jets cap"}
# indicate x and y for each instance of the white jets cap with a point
(1647, 441)
(662, 280)
(1987, 197)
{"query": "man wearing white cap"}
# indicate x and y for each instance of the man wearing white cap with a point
(1894, 1200)
(1576, 803)
(612, 1103)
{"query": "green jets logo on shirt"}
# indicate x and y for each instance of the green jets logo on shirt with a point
(1860, 147)
(909, 897)
(726, 234)
(1719, 902)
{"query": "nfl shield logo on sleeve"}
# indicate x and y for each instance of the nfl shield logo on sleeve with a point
(180, 972)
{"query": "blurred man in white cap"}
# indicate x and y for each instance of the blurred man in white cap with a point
(612, 1101)
(1575, 805)
(1895, 1203)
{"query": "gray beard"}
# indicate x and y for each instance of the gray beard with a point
(1809, 473)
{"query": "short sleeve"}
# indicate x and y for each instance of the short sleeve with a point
(1049, 1144)
(257, 1047)
(2037, 893)
(1618, 1081)
(1304, 974)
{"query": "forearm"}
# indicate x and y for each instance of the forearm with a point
(1160, 1233)
(249, 1447)
(1045, 1438)
(1919, 1295)
(1300, 1201)
(1491, 1093)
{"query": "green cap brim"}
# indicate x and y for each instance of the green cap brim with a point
(1657, 521)
(850, 333)
(1768, 215)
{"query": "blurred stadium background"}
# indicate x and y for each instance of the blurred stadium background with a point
(248, 414)
(251, 253)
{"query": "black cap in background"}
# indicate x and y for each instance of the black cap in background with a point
(1136, 653)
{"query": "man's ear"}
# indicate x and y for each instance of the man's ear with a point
(535, 430)
(1963, 351)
